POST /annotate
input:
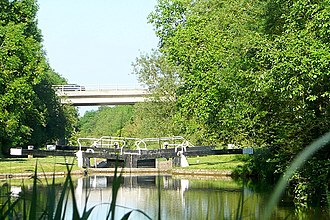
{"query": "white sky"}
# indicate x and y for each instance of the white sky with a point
(96, 41)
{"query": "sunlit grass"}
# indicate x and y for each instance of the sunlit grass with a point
(215, 162)
(27, 165)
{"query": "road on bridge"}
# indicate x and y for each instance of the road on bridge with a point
(100, 95)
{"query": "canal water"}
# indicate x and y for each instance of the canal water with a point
(184, 197)
(180, 197)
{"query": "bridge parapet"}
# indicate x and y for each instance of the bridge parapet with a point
(100, 95)
(77, 88)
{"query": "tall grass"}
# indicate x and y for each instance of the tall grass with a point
(298, 162)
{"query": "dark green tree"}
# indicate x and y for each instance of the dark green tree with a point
(255, 73)
(30, 112)
(295, 63)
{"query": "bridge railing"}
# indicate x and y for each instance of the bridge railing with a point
(76, 87)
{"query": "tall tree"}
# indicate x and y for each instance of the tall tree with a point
(30, 112)
(155, 117)
(296, 65)
(106, 121)
(252, 72)
(206, 39)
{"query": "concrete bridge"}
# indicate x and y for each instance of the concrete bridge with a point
(100, 95)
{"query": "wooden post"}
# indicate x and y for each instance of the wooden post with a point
(131, 161)
(30, 147)
(86, 161)
(176, 161)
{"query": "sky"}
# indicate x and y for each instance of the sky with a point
(94, 42)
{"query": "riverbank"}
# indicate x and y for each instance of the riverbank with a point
(156, 171)
(125, 172)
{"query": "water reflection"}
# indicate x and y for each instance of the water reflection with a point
(183, 197)
(180, 198)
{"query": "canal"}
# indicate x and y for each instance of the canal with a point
(187, 197)
(180, 197)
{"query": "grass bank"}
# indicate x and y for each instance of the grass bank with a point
(45, 164)
(216, 162)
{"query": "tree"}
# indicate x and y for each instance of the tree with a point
(255, 73)
(30, 110)
(206, 40)
(106, 121)
(296, 66)
(155, 117)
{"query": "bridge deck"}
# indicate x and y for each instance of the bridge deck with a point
(91, 96)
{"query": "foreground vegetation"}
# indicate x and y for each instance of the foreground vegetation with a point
(49, 206)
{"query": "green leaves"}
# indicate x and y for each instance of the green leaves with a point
(207, 46)
(155, 118)
(106, 121)
(253, 73)
(29, 109)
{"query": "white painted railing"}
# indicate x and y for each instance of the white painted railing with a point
(176, 142)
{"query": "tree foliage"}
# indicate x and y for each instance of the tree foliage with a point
(30, 110)
(155, 118)
(106, 121)
(253, 73)
(208, 45)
